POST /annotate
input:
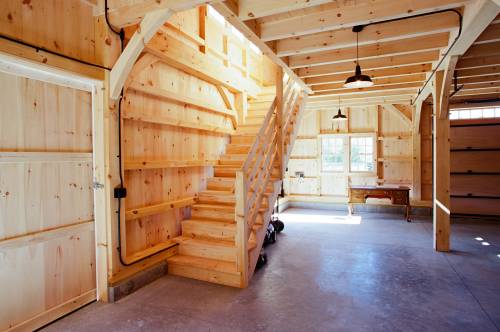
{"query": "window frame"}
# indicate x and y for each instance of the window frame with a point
(374, 154)
(345, 155)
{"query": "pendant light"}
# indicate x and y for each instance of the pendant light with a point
(339, 116)
(358, 80)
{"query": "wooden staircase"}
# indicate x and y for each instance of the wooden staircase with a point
(220, 243)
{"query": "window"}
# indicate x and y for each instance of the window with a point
(475, 113)
(332, 154)
(362, 154)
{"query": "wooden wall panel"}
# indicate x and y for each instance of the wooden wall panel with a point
(47, 242)
(477, 137)
(475, 179)
(475, 206)
(304, 186)
(475, 185)
(143, 141)
(362, 119)
(333, 184)
(308, 166)
(305, 148)
(34, 117)
(475, 161)
(39, 22)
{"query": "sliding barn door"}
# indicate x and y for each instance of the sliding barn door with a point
(47, 243)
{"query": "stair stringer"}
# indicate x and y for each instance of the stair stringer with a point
(253, 254)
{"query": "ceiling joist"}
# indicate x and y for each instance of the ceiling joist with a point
(334, 17)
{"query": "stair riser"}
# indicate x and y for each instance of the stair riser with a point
(216, 199)
(225, 173)
(249, 129)
(212, 215)
(261, 113)
(220, 184)
(209, 231)
(204, 275)
(227, 254)
(238, 149)
(242, 140)
(228, 162)
(256, 121)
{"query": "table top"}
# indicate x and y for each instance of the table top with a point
(380, 188)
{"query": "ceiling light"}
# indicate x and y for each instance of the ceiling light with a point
(339, 116)
(358, 80)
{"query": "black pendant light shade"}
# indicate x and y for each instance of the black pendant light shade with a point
(339, 116)
(358, 80)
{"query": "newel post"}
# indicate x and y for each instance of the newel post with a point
(241, 238)
(279, 120)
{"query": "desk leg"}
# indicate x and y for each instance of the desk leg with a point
(407, 214)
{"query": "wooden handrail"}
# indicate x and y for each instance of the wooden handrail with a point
(252, 179)
(256, 143)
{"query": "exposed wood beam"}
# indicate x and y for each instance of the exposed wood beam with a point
(491, 34)
(335, 97)
(478, 62)
(376, 63)
(252, 9)
(447, 80)
(441, 170)
(486, 49)
(482, 97)
(148, 27)
(482, 71)
(395, 111)
(376, 81)
(481, 85)
(374, 74)
(473, 92)
(336, 18)
(228, 12)
(360, 102)
(343, 38)
(393, 87)
(123, 13)
(478, 79)
(477, 16)
(403, 46)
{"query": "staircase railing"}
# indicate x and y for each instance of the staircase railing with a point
(275, 135)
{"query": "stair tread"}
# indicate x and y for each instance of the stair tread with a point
(216, 192)
(213, 207)
(210, 222)
(204, 242)
(204, 263)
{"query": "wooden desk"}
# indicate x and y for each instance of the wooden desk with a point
(399, 195)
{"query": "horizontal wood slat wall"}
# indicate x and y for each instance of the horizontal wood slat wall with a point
(176, 122)
(475, 167)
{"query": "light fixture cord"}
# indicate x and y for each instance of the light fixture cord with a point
(357, 48)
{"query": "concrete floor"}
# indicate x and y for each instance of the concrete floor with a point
(329, 273)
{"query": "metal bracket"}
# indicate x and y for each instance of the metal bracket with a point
(97, 185)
